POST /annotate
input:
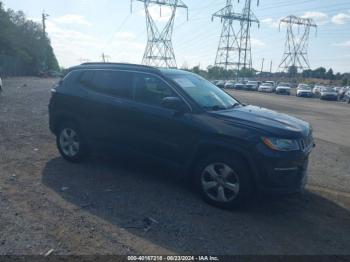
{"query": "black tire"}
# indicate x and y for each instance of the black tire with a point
(240, 174)
(80, 152)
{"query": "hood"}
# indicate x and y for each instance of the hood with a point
(266, 120)
(283, 87)
(305, 90)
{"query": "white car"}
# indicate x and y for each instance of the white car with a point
(283, 88)
(304, 91)
(317, 90)
(266, 88)
(328, 93)
(230, 84)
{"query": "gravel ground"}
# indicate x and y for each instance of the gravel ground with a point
(124, 206)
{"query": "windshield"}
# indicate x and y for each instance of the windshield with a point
(284, 84)
(327, 89)
(204, 93)
(305, 87)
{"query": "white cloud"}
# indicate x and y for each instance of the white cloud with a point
(257, 42)
(341, 19)
(344, 44)
(70, 46)
(72, 19)
(274, 23)
(319, 17)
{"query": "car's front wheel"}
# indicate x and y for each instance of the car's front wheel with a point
(223, 181)
(70, 143)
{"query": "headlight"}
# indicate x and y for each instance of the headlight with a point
(281, 144)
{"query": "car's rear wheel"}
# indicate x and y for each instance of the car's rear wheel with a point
(70, 143)
(223, 182)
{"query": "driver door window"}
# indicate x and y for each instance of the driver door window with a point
(150, 90)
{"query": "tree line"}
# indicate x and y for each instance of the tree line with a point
(215, 72)
(24, 48)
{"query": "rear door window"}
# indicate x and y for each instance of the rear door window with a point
(114, 83)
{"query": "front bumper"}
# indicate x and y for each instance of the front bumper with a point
(281, 172)
(305, 94)
(329, 97)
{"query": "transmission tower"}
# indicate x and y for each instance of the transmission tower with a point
(234, 49)
(297, 43)
(159, 50)
(245, 55)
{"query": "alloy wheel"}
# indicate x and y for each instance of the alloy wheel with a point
(69, 142)
(220, 182)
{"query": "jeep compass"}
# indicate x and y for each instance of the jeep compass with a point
(227, 148)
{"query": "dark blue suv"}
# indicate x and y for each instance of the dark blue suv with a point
(229, 149)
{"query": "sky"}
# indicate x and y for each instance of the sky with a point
(82, 30)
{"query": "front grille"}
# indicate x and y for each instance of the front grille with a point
(307, 142)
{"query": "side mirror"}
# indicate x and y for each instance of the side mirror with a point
(174, 103)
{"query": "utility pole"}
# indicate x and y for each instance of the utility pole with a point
(271, 67)
(234, 49)
(262, 66)
(45, 64)
(105, 58)
(159, 50)
(44, 18)
(297, 43)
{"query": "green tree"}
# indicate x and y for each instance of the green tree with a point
(330, 74)
(23, 48)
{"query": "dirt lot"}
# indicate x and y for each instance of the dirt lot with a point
(103, 206)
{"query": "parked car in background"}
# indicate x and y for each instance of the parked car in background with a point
(342, 92)
(239, 86)
(337, 88)
(0, 85)
(328, 93)
(273, 83)
(283, 88)
(304, 90)
(229, 150)
(266, 88)
(252, 86)
(347, 96)
(214, 82)
(221, 83)
(230, 84)
(317, 90)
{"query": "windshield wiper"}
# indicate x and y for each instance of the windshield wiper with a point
(234, 105)
(217, 108)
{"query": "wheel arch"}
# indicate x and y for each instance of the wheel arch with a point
(62, 118)
(207, 149)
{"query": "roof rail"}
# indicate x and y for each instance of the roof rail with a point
(120, 64)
